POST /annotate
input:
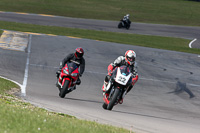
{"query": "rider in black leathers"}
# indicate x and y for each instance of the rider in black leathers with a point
(78, 57)
(126, 19)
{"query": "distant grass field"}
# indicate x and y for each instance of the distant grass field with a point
(175, 12)
(17, 116)
(168, 43)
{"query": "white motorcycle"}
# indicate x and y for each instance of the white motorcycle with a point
(117, 87)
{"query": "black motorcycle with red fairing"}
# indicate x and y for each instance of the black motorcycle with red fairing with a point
(71, 68)
(68, 78)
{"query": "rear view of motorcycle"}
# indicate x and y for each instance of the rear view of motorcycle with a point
(117, 87)
(124, 24)
(67, 80)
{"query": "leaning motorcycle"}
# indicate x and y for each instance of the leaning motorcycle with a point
(124, 24)
(68, 78)
(117, 87)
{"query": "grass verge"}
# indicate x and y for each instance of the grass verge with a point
(1, 31)
(168, 43)
(21, 117)
(175, 12)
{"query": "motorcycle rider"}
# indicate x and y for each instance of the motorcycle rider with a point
(128, 60)
(126, 19)
(78, 57)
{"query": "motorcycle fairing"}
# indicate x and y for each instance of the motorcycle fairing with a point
(66, 74)
(121, 77)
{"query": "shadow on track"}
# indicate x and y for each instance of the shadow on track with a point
(150, 116)
(181, 87)
(82, 100)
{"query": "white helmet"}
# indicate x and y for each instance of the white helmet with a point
(130, 56)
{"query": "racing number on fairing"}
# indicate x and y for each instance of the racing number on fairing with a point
(122, 79)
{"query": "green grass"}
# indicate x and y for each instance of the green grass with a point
(4, 86)
(20, 117)
(1, 31)
(168, 43)
(176, 12)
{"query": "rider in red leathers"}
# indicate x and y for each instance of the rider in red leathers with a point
(128, 60)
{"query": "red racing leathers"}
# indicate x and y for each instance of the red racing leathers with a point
(119, 62)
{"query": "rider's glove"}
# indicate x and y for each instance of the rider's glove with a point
(134, 74)
(110, 73)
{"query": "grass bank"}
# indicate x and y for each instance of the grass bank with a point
(21, 117)
(168, 43)
(1, 31)
(175, 12)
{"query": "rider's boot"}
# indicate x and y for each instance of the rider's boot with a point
(78, 82)
(58, 73)
(104, 86)
(121, 101)
(74, 88)
(57, 84)
(104, 89)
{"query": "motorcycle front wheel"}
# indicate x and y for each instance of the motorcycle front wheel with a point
(120, 25)
(127, 27)
(64, 90)
(113, 99)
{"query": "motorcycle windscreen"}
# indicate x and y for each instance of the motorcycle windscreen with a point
(123, 75)
(125, 70)
(71, 67)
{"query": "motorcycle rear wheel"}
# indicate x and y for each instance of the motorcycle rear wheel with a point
(113, 99)
(64, 90)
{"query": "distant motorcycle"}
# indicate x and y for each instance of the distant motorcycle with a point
(68, 78)
(124, 24)
(117, 86)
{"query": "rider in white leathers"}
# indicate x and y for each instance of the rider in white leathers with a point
(128, 60)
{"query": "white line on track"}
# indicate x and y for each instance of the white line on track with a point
(190, 44)
(23, 88)
(155, 80)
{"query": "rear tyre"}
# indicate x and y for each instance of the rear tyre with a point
(64, 90)
(113, 99)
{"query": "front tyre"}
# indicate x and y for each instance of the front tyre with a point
(64, 90)
(127, 27)
(120, 25)
(113, 99)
